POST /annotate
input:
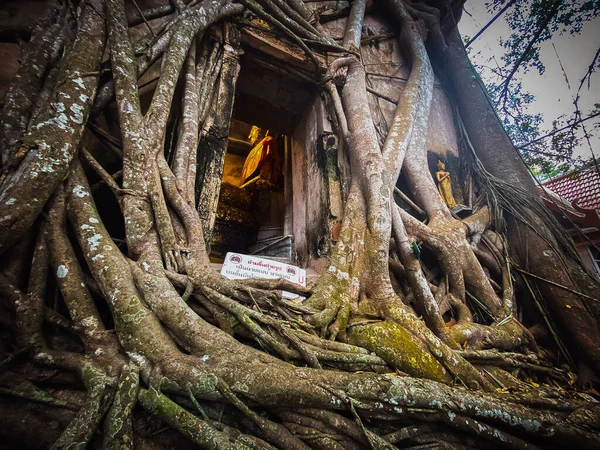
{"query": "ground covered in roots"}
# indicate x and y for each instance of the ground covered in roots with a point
(424, 330)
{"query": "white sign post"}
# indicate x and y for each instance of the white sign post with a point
(237, 266)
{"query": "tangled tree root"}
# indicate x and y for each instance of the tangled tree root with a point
(121, 341)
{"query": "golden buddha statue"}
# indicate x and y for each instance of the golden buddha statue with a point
(262, 167)
(445, 185)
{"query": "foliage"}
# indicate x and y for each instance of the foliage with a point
(527, 19)
(533, 23)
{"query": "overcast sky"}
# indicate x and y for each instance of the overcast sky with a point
(552, 96)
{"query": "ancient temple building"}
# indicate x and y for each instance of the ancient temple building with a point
(297, 219)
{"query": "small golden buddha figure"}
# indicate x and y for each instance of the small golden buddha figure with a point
(445, 185)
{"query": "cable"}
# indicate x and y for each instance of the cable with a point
(487, 25)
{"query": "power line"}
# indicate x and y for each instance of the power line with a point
(552, 133)
(487, 25)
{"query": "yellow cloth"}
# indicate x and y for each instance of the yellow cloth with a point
(264, 157)
(445, 188)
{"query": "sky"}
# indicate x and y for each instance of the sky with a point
(552, 96)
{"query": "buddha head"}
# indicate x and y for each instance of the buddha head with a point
(254, 135)
(441, 166)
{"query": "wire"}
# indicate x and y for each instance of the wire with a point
(487, 25)
(552, 133)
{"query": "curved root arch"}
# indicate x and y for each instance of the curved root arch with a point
(150, 330)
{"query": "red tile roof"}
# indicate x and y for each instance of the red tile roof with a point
(582, 188)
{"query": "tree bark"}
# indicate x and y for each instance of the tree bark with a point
(576, 317)
(412, 335)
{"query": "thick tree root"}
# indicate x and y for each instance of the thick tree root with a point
(140, 336)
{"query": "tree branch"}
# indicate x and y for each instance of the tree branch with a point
(556, 5)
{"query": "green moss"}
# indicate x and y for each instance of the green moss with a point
(399, 348)
(93, 378)
(199, 431)
(331, 164)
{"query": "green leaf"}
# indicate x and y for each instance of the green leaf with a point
(416, 249)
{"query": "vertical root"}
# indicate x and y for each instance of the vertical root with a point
(118, 433)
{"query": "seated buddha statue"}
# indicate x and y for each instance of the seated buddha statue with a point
(262, 167)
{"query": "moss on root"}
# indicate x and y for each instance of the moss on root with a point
(399, 348)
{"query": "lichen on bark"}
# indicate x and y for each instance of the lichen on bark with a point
(416, 332)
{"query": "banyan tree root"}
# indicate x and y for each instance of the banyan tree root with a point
(124, 340)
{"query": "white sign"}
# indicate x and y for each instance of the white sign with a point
(237, 266)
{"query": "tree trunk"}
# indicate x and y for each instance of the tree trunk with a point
(415, 334)
(576, 317)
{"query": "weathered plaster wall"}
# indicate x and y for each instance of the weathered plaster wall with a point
(18, 19)
(9, 55)
(311, 203)
(279, 102)
(387, 72)
(300, 145)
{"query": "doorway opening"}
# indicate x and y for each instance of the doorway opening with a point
(257, 212)
(252, 207)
